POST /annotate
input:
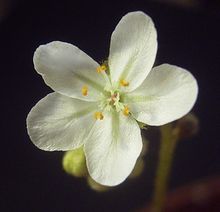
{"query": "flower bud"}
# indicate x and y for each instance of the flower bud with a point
(74, 162)
(96, 186)
(187, 126)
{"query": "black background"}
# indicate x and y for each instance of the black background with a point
(33, 180)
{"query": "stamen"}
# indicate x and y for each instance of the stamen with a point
(101, 68)
(126, 111)
(98, 115)
(84, 90)
(124, 83)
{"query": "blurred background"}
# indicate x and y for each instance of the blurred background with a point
(188, 36)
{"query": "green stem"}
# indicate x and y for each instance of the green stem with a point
(169, 139)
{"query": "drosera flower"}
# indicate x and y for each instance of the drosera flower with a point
(98, 106)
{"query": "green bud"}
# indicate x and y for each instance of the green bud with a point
(187, 126)
(96, 186)
(74, 162)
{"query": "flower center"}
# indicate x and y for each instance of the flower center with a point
(114, 98)
(110, 99)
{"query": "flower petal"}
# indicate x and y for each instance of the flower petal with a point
(67, 69)
(133, 49)
(168, 93)
(112, 148)
(58, 122)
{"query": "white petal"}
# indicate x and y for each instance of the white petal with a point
(66, 69)
(168, 93)
(58, 122)
(112, 149)
(133, 49)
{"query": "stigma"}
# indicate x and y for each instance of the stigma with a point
(114, 98)
(98, 116)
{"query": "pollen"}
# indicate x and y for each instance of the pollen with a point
(84, 90)
(124, 83)
(126, 111)
(101, 68)
(98, 115)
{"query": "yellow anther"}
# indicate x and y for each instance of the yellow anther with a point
(98, 115)
(126, 111)
(101, 68)
(84, 90)
(124, 83)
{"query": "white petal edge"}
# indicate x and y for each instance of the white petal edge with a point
(112, 149)
(58, 122)
(66, 69)
(168, 93)
(133, 49)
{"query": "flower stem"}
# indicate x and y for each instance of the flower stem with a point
(169, 137)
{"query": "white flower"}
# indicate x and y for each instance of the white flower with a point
(100, 110)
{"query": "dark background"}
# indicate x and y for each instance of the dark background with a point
(33, 180)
